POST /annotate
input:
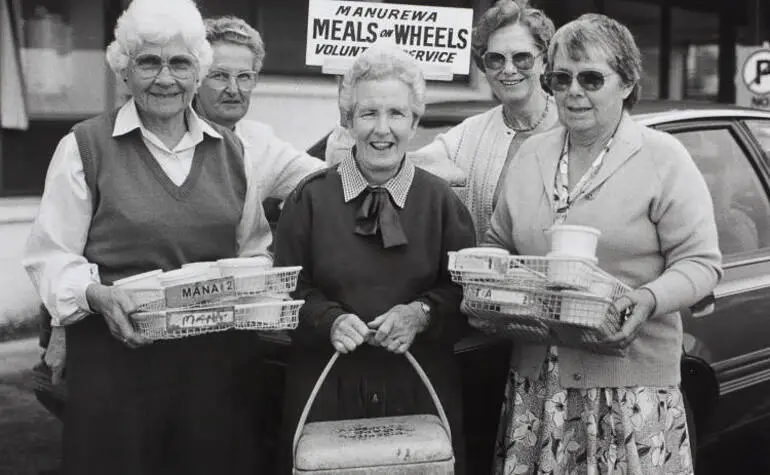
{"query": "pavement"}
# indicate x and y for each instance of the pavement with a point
(18, 356)
(18, 299)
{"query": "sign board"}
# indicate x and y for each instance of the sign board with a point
(184, 295)
(439, 38)
(753, 79)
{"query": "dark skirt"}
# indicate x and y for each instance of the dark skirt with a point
(170, 407)
(372, 382)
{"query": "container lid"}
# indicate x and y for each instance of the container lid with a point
(573, 227)
(561, 255)
(257, 261)
(374, 442)
(202, 264)
(138, 277)
(483, 251)
(186, 274)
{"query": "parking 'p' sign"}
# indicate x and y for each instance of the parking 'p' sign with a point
(756, 72)
(752, 76)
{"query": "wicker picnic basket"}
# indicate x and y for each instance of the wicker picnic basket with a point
(257, 301)
(405, 445)
(548, 300)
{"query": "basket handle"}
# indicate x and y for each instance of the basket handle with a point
(322, 378)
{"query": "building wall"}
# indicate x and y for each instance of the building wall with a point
(300, 103)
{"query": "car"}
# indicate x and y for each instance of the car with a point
(726, 360)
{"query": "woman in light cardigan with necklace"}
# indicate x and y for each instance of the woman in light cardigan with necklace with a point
(509, 44)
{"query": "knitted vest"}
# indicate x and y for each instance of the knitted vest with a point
(141, 220)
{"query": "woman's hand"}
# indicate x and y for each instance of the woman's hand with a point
(397, 328)
(113, 303)
(348, 333)
(635, 308)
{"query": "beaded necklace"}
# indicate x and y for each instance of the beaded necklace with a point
(532, 127)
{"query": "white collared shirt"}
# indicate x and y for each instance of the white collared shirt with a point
(54, 253)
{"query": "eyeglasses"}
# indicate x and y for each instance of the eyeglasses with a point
(148, 66)
(560, 81)
(245, 80)
(494, 61)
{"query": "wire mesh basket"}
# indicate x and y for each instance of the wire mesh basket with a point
(546, 300)
(205, 293)
(533, 272)
(265, 315)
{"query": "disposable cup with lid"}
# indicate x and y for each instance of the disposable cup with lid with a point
(573, 240)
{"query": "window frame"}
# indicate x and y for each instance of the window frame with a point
(750, 148)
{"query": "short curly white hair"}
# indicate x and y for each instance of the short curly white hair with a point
(159, 21)
(381, 61)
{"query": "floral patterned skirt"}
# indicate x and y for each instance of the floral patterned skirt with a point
(546, 429)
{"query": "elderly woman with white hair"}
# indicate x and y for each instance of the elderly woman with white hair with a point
(224, 97)
(148, 186)
(372, 236)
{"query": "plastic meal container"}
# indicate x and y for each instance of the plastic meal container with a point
(244, 266)
(145, 280)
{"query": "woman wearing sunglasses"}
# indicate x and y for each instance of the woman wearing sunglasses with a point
(508, 44)
(147, 186)
(575, 411)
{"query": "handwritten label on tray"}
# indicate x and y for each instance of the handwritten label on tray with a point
(221, 317)
(501, 295)
(184, 295)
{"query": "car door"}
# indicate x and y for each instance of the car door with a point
(733, 336)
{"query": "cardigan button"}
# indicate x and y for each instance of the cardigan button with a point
(577, 376)
(375, 399)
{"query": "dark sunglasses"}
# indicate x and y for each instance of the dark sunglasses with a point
(560, 81)
(523, 61)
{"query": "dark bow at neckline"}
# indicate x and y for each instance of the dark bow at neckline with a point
(376, 212)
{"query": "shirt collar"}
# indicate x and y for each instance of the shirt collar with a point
(128, 120)
(354, 183)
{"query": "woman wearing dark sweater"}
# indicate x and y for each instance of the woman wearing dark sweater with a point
(372, 236)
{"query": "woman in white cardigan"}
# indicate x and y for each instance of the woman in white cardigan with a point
(509, 44)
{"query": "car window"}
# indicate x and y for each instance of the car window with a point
(761, 131)
(741, 206)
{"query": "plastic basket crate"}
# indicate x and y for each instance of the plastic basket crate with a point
(201, 294)
(268, 316)
(564, 318)
(540, 310)
(274, 280)
(533, 272)
(180, 323)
